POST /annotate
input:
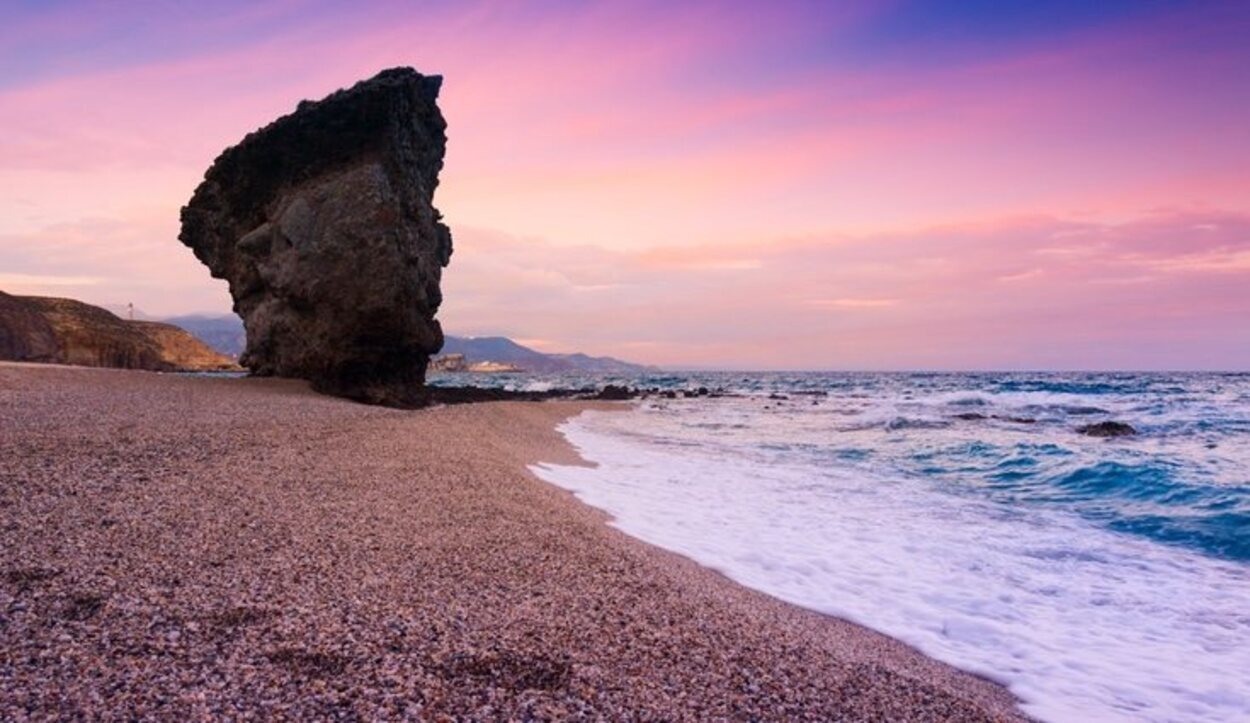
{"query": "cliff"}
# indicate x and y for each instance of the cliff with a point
(25, 335)
(324, 227)
(65, 331)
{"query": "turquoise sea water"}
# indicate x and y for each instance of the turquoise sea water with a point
(1100, 579)
(1184, 480)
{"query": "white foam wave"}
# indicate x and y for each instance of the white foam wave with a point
(1080, 623)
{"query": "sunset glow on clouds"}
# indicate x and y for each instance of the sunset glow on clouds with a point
(880, 185)
(1165, 291)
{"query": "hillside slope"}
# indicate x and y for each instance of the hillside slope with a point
(65, 331)
(506, 351)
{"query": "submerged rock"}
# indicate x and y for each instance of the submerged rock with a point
(1107, 429)
(1017, 420)
(970, 416)
(323, 224)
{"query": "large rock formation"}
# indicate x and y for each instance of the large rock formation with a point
(322, 222)
(65, 331)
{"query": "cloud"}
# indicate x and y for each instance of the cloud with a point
(1149, 292)
(1220, 261)
(854, 303)
(666, 175)
(24, 283)
(727, 124)
(1155, 291)
(111, 262)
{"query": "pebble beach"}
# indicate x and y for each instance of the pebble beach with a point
(204, 547)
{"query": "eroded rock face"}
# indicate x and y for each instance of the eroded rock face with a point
(25, 335)
(323, 224)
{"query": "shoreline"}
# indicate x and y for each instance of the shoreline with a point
(857, 634)
(206, 546)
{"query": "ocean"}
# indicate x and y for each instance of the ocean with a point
(1098, 579)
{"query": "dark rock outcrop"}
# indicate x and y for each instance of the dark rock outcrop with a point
(322, 222)
(1107, 429)
(65, 331)
(977, 416)
(613, 392)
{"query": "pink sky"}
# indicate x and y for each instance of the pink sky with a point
(888, 185)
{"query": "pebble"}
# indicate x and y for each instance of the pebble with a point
(295, 556)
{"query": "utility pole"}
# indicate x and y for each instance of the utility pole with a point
(131, 306)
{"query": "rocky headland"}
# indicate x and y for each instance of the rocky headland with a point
(65, 331)
(323, 225)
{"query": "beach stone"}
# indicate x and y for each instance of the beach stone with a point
(323, 224)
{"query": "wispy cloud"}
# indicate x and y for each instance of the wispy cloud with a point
(854, 303)
(952, 297)
(812, 184)
(24, 283)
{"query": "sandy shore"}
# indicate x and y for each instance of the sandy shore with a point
(181, 547)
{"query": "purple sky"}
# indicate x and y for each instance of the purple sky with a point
(869, 185)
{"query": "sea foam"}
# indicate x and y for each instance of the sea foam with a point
(1079, 621)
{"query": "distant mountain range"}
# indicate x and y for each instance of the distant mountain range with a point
(225, 334)
(503, 350)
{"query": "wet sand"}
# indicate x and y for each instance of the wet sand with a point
(190, 547)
